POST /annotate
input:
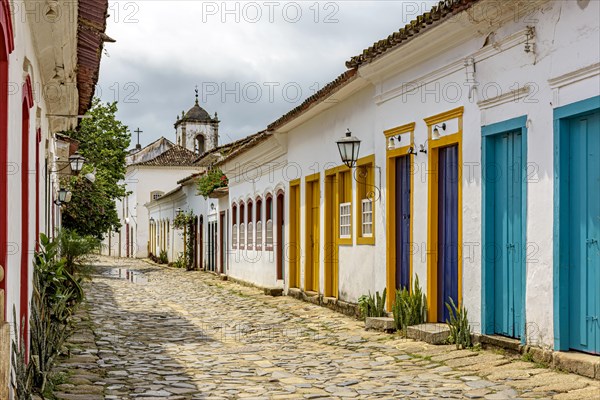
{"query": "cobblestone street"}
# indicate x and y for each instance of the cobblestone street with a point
(166, 333)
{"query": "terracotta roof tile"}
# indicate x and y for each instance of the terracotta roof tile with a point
(91, 24)
(444, 10)
(219, 154)
(176, 156)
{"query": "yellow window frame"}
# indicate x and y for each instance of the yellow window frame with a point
(365, 180)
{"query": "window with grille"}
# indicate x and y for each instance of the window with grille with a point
(269, 237)
(156, 195)
(234, 227)
(250, 232)
(269, 226)
(242, 234)
(367, 218)
(259, 225)
(345, 220)
(259, 234)
(366, 192)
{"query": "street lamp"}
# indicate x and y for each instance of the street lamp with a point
(64, 196)
(76, 160)
(349, 147)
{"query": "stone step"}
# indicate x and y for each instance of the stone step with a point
(381, 324)
(433, 333)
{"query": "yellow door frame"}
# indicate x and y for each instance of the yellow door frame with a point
(312, 227)
(432, 209)
(331, 230)
(294, 234)
(390, 202)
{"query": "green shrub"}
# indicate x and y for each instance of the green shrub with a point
(211, 180)
(460, 330)
(56, 294)
(180, 262)
(163, 258)
(372, 306)
(76, 250)
(410, 308)
(23, 372)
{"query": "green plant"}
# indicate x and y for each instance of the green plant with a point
(76, 250)
(182, 220)
(410, 308)
(211, 180)
(56, 293)
(180, 262)
(460, 330)
(104, 141)
(23, 373)
(372, 306)
(163, 258)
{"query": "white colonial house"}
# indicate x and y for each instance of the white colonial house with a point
(48, 72)
(152, 172)
(478, 170)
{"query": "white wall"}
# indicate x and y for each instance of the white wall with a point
(566, 40)
(141, 181)
(256, 173)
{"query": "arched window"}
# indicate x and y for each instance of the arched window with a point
(199, 144)
(259, 225)
(250, 230)
(234, 227)
(242, 241)
(269, 219)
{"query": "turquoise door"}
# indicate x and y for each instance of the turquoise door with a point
(505, 242)
(584, 232)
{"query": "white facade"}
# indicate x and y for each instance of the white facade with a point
(255, 181)
(432, 75)
(143, 182)
(40, 97)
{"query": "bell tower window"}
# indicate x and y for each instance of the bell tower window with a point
(199, 144)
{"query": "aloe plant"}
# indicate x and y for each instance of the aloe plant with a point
(460, 330)
(410, 308)
(372, 305)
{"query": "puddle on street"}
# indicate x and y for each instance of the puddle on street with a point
(127, 274)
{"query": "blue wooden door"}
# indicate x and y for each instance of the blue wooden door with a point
(584, 232)
(505, 202)
(447, 276)
(403, 222)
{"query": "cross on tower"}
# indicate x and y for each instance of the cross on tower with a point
(196, 94)
(138, 131)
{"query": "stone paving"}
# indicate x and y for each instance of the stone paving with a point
(152, 332)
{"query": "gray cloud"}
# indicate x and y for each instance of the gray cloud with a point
(250, 72)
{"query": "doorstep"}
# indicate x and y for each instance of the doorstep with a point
(430, 333)
(502, 342)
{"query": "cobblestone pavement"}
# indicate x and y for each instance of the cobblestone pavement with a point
(167, 333)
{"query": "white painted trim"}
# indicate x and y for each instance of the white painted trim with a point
(483, 54)
(575, 76)
(512, 96)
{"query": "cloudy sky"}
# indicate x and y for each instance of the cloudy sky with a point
(252, 61)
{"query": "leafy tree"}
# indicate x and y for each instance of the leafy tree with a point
(103, 142)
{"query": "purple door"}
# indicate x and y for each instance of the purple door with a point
(447, 230)
(402, 222)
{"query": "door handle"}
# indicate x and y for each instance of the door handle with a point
(591, 241)
(510, 246)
